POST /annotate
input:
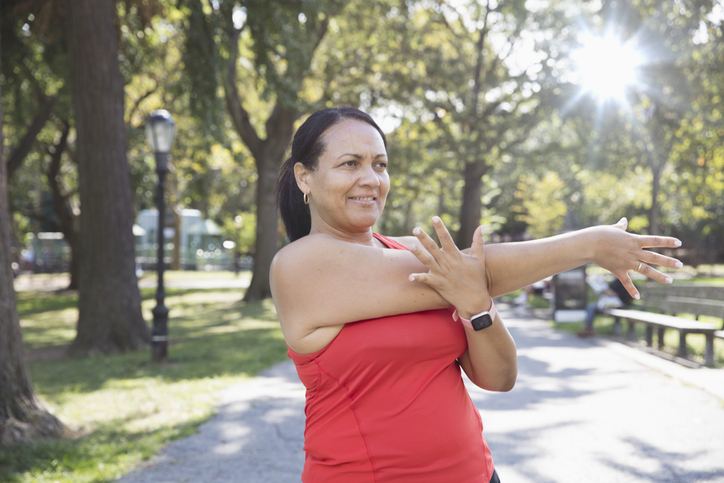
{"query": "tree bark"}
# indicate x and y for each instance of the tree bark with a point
(472, 206)
(109, 302)
(22, 417)
(62, 210)
(268, 165)
(268, 156)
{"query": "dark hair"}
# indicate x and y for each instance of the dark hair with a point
(307, 146)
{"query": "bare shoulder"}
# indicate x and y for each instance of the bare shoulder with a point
(406, 241)
(304, 252)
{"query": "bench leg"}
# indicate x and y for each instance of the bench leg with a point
(709, 353)
(660, 338)
(616, 326)
(649, 336)
(682, 343)
(630, 332)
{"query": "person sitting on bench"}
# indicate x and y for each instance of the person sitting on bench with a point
(612, 294)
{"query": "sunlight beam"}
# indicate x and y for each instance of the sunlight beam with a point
(607, 68)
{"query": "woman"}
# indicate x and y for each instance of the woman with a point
(373, 323)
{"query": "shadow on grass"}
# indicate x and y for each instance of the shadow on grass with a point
(118, 448)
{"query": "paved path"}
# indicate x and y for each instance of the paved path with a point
(582, 411)
(59, 282)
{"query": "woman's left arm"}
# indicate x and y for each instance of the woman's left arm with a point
(491, 358)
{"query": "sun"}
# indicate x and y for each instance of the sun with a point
(607, 68)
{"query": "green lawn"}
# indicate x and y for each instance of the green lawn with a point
(121, 408)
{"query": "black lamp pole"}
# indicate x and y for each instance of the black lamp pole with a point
(160, 129)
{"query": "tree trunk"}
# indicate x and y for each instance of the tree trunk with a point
(268, 156)
(22, 418)
(279, 128)
(109, 303)
(472, 207)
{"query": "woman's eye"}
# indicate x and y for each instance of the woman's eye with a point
(350, 163)
(382, 165)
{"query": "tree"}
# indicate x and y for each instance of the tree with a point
(281, 38)
(109, 303)
(22, 417)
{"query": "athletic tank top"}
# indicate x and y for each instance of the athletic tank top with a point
(385, 402)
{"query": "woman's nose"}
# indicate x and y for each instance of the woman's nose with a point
(370, 177)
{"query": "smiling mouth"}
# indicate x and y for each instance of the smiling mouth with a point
(363, 198)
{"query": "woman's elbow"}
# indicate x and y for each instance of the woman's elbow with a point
(506, 384)
(503, 382)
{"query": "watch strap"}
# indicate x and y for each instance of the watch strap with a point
(478, 321)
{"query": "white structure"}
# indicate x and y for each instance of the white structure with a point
(200, 241)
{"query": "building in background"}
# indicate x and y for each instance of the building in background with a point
(192, 243)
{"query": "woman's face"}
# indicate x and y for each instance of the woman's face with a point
(348, 189)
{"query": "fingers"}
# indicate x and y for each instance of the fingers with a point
(658, 259)
(426, 242)
(477, 249)
(659, 242)
(447, 244)
(628, 284)
(446, 241)
(622, 224)
(419, 277)
(652, 273)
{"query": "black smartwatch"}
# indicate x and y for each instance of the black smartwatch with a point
(480, 321)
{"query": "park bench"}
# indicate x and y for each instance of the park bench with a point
(660, 305)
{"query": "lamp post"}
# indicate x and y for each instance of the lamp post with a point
(160, 130)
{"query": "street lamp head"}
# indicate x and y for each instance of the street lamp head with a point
(160, 130)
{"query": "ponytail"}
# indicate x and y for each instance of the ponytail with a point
(307, 146)
(295, 213)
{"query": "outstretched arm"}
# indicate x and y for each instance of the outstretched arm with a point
(512, 266)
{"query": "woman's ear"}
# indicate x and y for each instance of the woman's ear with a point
(301, 174)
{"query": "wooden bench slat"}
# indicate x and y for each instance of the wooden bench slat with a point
(681, 298)
(663, 320)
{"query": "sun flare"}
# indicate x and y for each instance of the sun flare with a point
(607, 68)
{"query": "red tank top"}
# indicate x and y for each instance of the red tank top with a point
(385, 402)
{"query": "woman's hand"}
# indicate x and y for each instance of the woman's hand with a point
(619, 252)
(458, 277)
(491, 358)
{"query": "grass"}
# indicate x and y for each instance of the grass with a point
(121, 408)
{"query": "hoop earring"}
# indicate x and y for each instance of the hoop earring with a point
(306, 198)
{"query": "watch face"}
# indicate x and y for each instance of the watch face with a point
(482, 322)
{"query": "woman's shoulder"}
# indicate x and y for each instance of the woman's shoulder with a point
(307, 252)
(299, 249)
(406, 241)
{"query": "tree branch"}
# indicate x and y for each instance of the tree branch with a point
(239, 115)
(21, 151)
